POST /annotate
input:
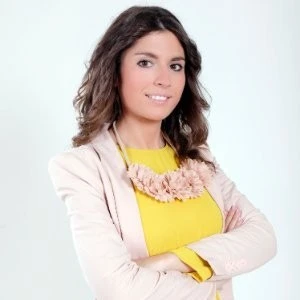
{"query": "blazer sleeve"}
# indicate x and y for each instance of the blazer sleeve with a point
(102, 254)
(243, 249)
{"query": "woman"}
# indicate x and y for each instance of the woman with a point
(152, 214)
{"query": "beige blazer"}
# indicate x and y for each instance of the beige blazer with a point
(108, 234)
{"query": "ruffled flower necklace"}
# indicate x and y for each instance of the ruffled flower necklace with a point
(188, 181)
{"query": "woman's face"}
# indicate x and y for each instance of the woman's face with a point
(152, 77)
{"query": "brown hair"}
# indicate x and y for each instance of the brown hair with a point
(98, 100)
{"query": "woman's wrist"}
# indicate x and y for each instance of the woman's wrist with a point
(167, 261)
(174, 263)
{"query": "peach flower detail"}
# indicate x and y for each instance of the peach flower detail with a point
(186, 182)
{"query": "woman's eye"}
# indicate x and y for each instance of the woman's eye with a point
(144, 63)
(176, 67)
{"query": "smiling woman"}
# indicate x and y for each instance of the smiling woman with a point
(152, 80)
(152, 214)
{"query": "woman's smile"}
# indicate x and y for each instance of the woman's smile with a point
(158, 99)
(152, 67)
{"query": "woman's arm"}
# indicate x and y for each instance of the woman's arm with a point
(185, 260)
(103, 256)
(243, 249)
(243, 246)
(167, 261)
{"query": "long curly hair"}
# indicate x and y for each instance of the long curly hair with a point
(98, 100)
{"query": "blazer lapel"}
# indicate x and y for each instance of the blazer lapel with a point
(122, 194)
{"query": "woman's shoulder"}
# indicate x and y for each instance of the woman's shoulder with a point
(82, 157)
(86, 156)
(75, 170)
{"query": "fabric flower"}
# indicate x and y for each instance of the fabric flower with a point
(186, 182)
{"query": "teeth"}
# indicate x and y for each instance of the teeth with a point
(156, 97)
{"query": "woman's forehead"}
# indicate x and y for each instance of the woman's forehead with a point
(157, 43)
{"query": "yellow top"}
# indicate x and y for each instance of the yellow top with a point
(169, 226)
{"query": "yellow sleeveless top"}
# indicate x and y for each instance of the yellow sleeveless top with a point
(169, 226)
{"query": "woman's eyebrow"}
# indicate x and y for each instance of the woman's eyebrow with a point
(156, 57)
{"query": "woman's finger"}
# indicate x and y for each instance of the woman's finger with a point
(229, 216)
(233, 219)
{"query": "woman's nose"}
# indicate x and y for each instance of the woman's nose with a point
(163, 77)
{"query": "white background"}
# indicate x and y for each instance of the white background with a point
(250, 52)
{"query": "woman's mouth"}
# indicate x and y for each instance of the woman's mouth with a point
(158, 98)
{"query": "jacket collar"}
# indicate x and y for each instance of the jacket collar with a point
(123, 198)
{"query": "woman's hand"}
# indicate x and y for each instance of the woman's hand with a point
(169, 261)
(160, 262)
(164, 262)
(233, 218)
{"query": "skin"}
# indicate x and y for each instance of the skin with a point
(154, 65)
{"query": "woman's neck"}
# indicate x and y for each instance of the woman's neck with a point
(140, 134)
